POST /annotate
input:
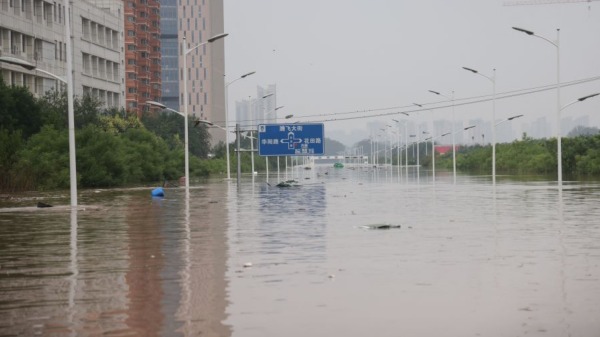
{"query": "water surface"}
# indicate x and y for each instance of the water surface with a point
(468, 259)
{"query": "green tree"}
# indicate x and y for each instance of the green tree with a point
(19, 110)
(44, 162)
(54, 106)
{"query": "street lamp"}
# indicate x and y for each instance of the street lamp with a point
(508, 119)
(186, 51)
(580, 100)
(558, 108)
(70, 113)
(432, 143)
(274, 111)
(227, 120)
(493, 80)
(252, 138)
(405, 143)
(384, 147)
(453, 133)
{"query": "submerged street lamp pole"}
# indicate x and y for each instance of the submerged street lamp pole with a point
(453, 133)
(186, 51)
(558, 108)
(227, 120)
(493, 80)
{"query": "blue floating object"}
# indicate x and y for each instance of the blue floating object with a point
(158, 192)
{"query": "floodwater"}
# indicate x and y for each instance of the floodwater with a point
(521, 259)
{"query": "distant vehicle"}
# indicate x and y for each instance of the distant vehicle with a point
(338, 165)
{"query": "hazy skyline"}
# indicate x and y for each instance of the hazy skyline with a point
(331, 57)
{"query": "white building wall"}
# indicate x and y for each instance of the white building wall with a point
(34, 32)
(98, 53)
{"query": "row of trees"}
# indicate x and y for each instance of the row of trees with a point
(580, 155)
(114, 148)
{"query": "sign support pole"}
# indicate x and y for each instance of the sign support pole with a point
(239, 152)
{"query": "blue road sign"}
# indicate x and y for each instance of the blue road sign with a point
(291, 139)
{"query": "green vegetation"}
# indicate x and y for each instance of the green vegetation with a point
(527, 156)
(580, 155)
(114, 148)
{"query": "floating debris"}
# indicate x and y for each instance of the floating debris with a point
(381, 226)
(158, 192)
(288, 183)
(43, 205)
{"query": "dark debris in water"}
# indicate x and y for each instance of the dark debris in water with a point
(288, 183)
(381, 226)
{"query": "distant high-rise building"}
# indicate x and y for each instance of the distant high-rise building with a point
(540, 128)
(34, 31)
(266, 112)
(259, 110)
(142, 54)
(197, 21)
(244, 114)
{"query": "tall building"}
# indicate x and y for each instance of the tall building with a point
(34, 31)
(268, 104)
(197, 21)
(98, 55)
(262, 109)
(142, 53)
(170, 53)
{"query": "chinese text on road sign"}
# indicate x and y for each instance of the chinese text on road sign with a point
(290, 139)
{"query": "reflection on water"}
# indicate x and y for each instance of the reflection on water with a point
(125, 265)
(468, 260)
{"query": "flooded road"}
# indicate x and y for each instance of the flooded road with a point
(467, 260)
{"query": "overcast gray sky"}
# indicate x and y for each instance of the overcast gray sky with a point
(328, 57)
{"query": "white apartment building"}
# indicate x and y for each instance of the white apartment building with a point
(34, 31)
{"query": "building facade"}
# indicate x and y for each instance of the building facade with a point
(170, 53)
(142, 54)
(197, 21)
(98, 50)
(34, 31)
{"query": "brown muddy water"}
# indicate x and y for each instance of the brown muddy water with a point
(468, 259)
